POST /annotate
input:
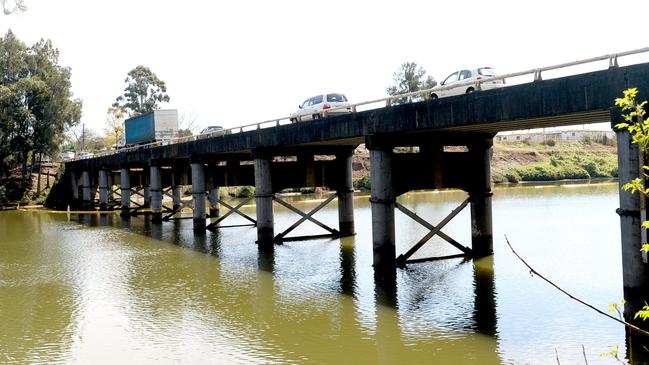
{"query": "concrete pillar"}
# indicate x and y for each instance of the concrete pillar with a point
(264, 200)
(214, 201)
(198, 195)
(85, 188)
(103, 190)
(635, 268)
(74, 180)
(111, 181)
(125, 186)
(156, 193)
(480, 195)
(176, 193)
(345, 195)
(382, 199)
(146, 189)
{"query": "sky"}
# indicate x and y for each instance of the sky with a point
(232, 63)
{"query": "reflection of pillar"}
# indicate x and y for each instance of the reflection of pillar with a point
(198, 195)
(382, 200)
(264, 200)
(125, 187)
(85, 187)
(388, 341)
(347, 266)
(345, 195)
(156, 193)
(484, 312)
(480, 194)
(103, 189)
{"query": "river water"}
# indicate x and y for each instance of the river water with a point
(89, 289)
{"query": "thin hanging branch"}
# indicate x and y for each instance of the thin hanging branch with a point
(627, 324)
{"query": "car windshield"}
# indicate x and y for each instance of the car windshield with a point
(487, 71)
(336, 98)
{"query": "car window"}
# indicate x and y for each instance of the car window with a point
(317, 99)
(487, 71)
(451, 78)
(336, 98)
(306, 103)
(466, 74)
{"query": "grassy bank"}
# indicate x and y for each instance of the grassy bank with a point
(521, 161)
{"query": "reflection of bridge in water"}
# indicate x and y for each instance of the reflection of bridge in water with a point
(271, 303)
(448, 146)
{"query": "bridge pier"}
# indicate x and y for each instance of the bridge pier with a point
(110, 196)
(635, 266)
(74, 184)
(213, 195)
(125, 186)
(382, 201)
(146, 188)
(85, 188)
(156, 193)
(103, 189)
(264, 200)
(198, 195)
(480, 198)
(176, 188)
(345, 194)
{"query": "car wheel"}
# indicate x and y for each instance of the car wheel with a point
(470, 90)
(316, 116)
(292, 120)
(434, 96)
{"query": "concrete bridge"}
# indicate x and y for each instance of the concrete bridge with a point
(318, 153)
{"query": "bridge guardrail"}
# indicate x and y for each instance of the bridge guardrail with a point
(425, 94)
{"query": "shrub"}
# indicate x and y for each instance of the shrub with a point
(538, 172)
(363, 183)
(512, 176)
(245, 191)
(573, 172)
(549, 142)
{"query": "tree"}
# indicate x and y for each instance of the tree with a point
(409, 78)
(8, 7)
(36, 105)
(144, 90)
(115, 124)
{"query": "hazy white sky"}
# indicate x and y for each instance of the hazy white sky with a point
(237, 62)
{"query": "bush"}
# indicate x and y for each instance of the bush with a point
(573, 172)
(364, 183)
(512, 176)
(538, 172)
(549, 142)
(245, 191)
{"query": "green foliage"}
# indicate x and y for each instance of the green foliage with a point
(549, 142)
(643, 313)
(409, 78)
(363, 183)
(245, 191)
(184, 133)
(36, 106)
(144, 90)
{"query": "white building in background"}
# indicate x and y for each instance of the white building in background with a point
(556, 135)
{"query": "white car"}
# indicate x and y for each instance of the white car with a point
(465, 76)
(211, 131)
(314, 107)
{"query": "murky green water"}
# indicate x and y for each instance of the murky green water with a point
(100, 290)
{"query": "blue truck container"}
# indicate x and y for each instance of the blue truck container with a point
(150, 127)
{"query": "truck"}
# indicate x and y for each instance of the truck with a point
(158, 125)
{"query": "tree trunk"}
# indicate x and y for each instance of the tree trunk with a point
(40, 168)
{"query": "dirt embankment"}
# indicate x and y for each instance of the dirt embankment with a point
(524, 161)
(13, 190)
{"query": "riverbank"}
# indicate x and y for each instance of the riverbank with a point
(515, 162)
